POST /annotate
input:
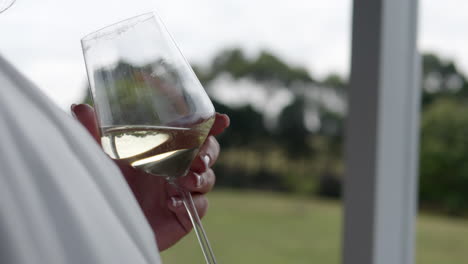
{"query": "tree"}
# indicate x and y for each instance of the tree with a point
(232, 61)
(441, 78)
(292, 133)
(334, 80)
(265, 68)
(246, 128)
(444, 155)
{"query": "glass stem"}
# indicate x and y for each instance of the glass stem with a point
(197, 224)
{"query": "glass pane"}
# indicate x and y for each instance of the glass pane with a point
(442, 227)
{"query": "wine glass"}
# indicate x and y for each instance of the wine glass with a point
(152, 110)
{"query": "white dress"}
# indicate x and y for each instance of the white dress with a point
(61, 199)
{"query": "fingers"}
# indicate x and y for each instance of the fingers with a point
(176, 205)
(221, 122)
(197, 182)
(207, 156)
(85, 114)
(209, 152)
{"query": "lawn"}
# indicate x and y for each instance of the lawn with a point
(259, 227)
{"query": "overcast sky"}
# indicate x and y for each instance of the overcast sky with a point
(41, 38)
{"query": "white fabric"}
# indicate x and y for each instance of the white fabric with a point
(61, 199)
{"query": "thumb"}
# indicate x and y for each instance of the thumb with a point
(87, 117)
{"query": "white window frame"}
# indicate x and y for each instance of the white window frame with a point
(381, 148)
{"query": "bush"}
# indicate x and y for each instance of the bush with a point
(444, 156)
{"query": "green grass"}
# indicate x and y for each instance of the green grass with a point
(441, 240)
(258, 227)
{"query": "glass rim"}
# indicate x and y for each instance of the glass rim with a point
(111, 30)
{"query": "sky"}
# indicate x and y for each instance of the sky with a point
(42, 38)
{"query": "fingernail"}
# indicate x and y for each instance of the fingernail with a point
(199, 179)
(176, 202)
(206, 159)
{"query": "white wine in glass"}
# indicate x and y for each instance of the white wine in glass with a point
(162, 151)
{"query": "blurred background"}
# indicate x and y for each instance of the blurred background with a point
(280, 71)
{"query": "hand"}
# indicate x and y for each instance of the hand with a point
(159, 201)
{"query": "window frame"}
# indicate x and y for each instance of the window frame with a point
(382, 134)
